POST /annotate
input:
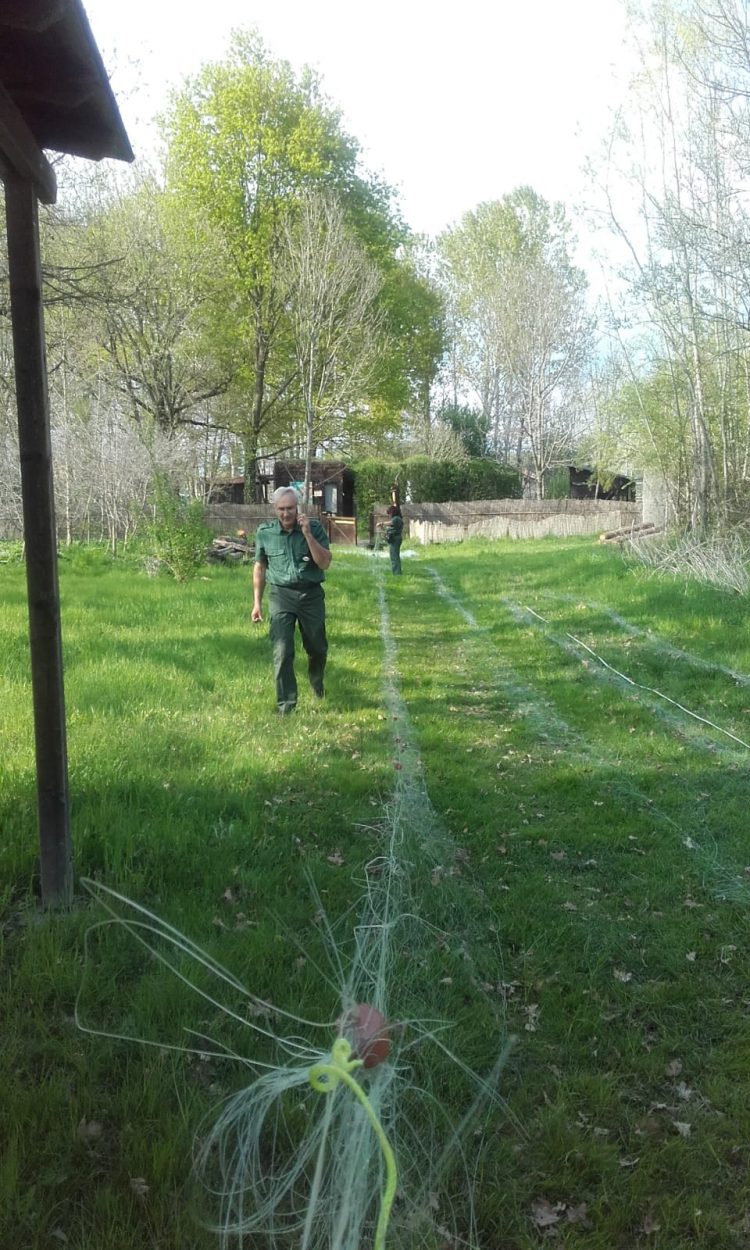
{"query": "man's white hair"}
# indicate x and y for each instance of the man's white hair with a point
(286, 490)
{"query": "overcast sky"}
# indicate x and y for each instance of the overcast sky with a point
(453, 104)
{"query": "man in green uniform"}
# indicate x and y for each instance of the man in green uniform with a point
(394, 534)
(292, 554)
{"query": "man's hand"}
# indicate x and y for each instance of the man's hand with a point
(256, 614)
(320, 554)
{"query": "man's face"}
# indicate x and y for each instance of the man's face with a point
(286, 511)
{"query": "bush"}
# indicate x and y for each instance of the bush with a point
(12, 551)
(423, 480)
(178, 536)
(557, 484)
(488, 479)
(373, 480)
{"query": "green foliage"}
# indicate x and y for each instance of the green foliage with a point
(11, 551)
(488, 479)
(521, 331)
(373, 480)
(178, 535)
(423, 480)
(471, 426)
(432, 481)
(557, 484)
(247, 138)
(416, 337)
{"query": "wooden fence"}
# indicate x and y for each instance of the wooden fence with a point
(512, 518)
(228, 518)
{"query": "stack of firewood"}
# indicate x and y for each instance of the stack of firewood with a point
(228, 550)
(645, 529)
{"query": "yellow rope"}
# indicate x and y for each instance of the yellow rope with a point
(324, 1077)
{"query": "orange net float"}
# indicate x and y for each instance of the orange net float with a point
(369, 1033)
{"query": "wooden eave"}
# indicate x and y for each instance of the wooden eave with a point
(55, 89)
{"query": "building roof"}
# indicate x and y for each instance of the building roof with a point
(52, 72)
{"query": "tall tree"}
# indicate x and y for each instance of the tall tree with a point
(245, 139)
(152, 286)
(675, 185)
(522, 328)
(336, 326)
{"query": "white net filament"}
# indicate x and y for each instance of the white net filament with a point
(284, 1165)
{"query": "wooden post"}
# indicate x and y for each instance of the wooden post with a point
(25, 271)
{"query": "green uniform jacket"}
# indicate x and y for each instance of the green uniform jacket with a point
(286, 555)
(395, 530)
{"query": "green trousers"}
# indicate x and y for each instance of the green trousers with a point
(395, 550)
(289, 607)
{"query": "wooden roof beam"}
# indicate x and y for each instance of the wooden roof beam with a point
(21, 15)
(21, 152)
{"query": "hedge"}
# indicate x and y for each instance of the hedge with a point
(423, 480)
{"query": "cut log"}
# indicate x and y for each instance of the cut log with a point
(230, 550)
(646, 530)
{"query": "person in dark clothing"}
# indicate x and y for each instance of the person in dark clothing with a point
(292, 554)
(394, 533)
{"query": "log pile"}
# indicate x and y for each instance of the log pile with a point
(644, 529)
(226, 550)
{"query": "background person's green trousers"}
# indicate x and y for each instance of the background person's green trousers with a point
(395, 550)
(288, 607)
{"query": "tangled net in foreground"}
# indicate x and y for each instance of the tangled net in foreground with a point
(333, 1145)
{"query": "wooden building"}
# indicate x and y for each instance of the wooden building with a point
(331, 481)
(332, 485)
(585, 484)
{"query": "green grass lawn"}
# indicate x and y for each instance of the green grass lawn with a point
(576, 840)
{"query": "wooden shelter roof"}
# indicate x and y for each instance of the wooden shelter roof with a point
(52, 72)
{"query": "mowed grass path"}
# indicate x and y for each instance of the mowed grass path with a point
(607, 828)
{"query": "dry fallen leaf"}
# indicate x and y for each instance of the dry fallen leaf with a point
(89, 1130)
(257, 1009)
(544, 1214)
(578, 1215)
(532, 1012)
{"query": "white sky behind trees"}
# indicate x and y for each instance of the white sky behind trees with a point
(453, 103)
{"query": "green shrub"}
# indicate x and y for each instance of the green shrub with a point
(178, 535)
(12, 551)
(373, 480)
(423, 480)
(489, 479)
(557, 484)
